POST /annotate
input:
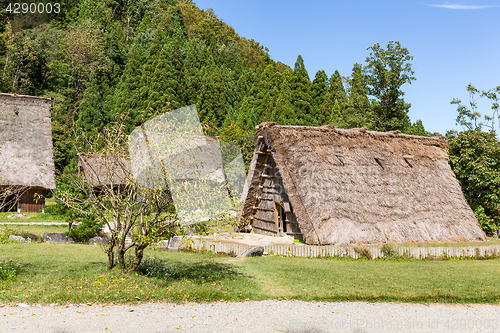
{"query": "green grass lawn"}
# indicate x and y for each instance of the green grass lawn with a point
(18, 229)
(31, 217)
(74, 273)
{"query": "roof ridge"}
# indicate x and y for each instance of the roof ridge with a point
(27, 96)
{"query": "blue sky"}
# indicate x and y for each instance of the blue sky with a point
(453, 43)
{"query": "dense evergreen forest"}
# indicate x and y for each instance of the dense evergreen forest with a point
(130, 60)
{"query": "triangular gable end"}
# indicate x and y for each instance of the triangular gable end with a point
(268, 208)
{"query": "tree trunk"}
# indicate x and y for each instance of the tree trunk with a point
(121, 257)
(111, 260)
(139, 254)
(111, 252)
(6, 62)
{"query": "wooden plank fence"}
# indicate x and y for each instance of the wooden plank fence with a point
(347, 251)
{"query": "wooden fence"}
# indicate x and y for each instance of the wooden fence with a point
(346, 251)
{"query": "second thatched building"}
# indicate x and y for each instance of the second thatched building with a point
(335, 186)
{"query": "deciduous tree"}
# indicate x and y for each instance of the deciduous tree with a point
(386, 71)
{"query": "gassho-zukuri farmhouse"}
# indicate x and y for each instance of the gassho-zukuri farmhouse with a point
(26, 152)
(335, 186)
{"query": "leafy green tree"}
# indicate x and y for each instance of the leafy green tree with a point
(266, 93)
(475, 159)
(336, 114)
(216, 97)
(192, 66)
(243, 138)
(494, 96)
(386, 71)
(319, 88)
(97, 10)
(417, 128)
(247, 120)
(21, 57)
(470, 118)
(83, 51)
(163, 79)
(242, 86)
(321, 97)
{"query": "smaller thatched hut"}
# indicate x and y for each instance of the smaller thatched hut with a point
(26, 153)
(336, 186)
(203, 161)
(102, 170)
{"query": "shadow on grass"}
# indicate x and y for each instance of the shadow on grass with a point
(197, 272)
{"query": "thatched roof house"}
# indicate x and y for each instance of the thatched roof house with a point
(26, 153)
(336, 186)
(113, 170)
(104, 169)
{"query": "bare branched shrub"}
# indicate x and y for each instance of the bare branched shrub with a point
(105, 188)
(10, 196)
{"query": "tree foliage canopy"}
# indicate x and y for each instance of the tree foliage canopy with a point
(475, 157)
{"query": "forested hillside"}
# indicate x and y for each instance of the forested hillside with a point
(129, 60)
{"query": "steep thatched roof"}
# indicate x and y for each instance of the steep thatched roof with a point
(104, 169)
(349, 186)
(26, 153)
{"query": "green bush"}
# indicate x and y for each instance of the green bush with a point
(363, 252)
(9, 269)
(4, 235)
(390, 253)
(87, 229)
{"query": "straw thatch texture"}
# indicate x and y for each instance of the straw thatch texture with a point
(104, 169)
(349, 186)
(26, 153)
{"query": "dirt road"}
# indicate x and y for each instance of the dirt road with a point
(263, 316)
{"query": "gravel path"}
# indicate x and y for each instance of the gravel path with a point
(264, 316)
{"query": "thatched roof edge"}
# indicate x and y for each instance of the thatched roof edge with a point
(439, 141)
(27, 96)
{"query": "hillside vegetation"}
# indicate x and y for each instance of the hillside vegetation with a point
(128, 60)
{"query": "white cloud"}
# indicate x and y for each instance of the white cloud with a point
(463, 6)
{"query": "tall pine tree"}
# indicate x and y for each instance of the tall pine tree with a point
(320, 94)
(91, 117)
(301, 98)
(127, 105)
(163, 78)
(284, 113)
(337, 90)
(357, 112)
